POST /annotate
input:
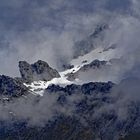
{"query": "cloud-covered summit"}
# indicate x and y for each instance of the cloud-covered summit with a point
(48, 29)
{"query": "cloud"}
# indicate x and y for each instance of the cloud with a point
(36, 110)
(47, 29)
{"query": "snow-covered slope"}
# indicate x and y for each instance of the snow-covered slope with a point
(38, 87)
(97, 53)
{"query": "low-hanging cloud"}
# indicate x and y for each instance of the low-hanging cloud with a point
(48, 29)
(37, 111)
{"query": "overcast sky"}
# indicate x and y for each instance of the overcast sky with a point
(47, 29)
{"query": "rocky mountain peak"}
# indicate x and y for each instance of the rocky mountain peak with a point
(40, 66)
(40, 70)
(11, 87)
(86, 45)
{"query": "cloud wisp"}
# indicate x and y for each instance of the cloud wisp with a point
(48, 29)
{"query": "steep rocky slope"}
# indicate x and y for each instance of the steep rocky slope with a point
(37, 71)
(10, 87)
(52, 105)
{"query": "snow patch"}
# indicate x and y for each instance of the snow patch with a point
(38, 87)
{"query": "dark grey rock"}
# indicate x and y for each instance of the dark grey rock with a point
(60, 127)
(63, 128)
(85, 46)
(26, 71)
(88, 88)
(96, 64)
(67, 66)
(37, 71)
(11, 87)
(93, 65)
(88, 120)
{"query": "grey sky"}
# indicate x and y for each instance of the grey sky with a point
(47, 29)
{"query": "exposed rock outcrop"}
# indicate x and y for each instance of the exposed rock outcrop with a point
(63, 126)
(87, 88)
(93, 65)
(37, 71)
(85, 46)
(96, 64)
(11, 87)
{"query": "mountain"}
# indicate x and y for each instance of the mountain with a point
(79, 113)
(88, 44)
(37, 71)
(95, 64)
(45, 104)
(63, 126)
(10, 87)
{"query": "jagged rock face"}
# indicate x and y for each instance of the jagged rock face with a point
(37, 71)
(88, 88)
(26, 71)
(62, 127)
(85, 122)
(96, 64)
(11, 87)
(93, 65)
(85, 46)
(106, 125)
